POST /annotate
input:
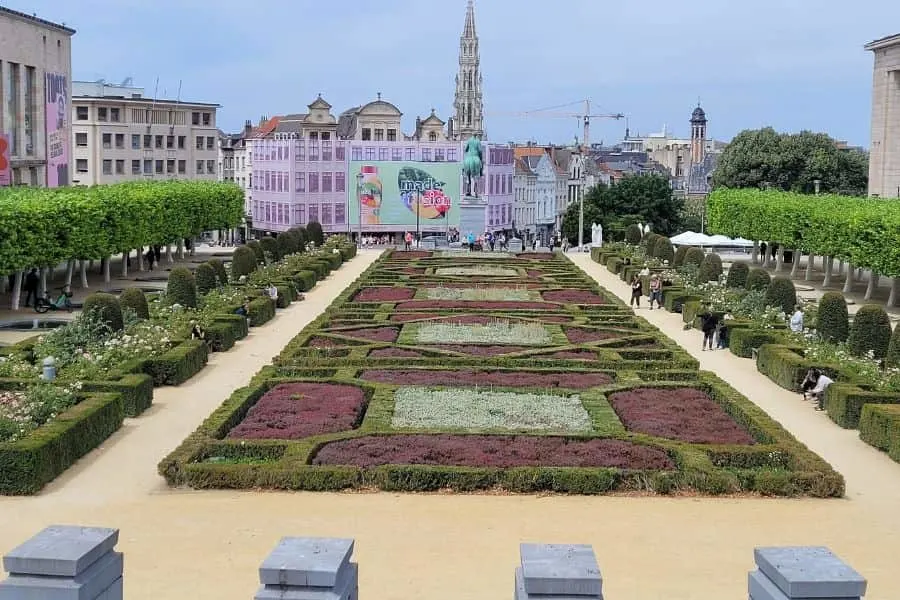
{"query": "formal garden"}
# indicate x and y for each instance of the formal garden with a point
(861, 353)
(108, 359)
(515, 372)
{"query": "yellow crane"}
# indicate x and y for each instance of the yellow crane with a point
(585, 116)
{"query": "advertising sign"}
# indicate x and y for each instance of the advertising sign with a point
(391, 192)
(57, 119)
(5, 178)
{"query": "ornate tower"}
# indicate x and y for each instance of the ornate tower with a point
(698, 135)
(468, 105)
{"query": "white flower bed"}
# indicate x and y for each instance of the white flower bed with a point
(467, 254)
(499, 332)
(476, 271)
(417, 407)
(480, 294)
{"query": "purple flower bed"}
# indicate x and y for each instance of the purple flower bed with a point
(384, 294)
(395, 353)
(374, 334)
(586, 336)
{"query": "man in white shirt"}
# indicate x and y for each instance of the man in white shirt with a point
(817, 392)
(796, 321)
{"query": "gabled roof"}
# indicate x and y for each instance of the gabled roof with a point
(522, 167)
(380, 106)
(319, 103)
(432, 119)
(36, 20)
(523, 151)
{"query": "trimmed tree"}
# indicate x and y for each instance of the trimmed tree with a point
(781, 294)
(288, 243)
(693, 256)
(892, 359)
(270, 249)
(633, 235)
(833, 320)
(315, 233)
(182, 288)
(710, 268)
(135, 299)
(737, 275)
(870, 332)
(663, 249)
(243, 261)
(219, 267)
(679, 255)
(258, 251)
(302, 238)
(206, 278)
(106, 308)
(758, 279)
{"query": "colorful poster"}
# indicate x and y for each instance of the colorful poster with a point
(5, 173)
(389, 193)
(57, 119)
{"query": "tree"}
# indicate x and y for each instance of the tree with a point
(870, 332)
(757, 158)
(833, 320)
(182, 288)
(636, 198)
(106, 308)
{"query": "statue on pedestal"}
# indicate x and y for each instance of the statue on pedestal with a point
(473, 165)
(599, 242)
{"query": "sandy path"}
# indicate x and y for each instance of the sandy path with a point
(186, 544)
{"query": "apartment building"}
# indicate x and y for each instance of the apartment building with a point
(119, 134)
(35, 80)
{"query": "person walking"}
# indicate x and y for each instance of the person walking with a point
(31, 286)
(637, 290)
(708, 323)
(655, 291)
(408, 240)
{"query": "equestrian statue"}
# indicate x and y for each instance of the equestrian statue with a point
(473, 165)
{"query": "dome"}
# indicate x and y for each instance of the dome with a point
(698, 115)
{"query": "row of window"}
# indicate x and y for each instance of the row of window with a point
(408, 153)
(113, 114)
(500, 184)
(498, 215)
(379, 135)
(314, 152)
(281, 151)
(280, 181)
(117, 140)
(149, 167)
(500, 156)
(282, 213)
(21, 116)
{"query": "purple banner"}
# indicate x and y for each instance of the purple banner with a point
(57, 119)
(5, 177)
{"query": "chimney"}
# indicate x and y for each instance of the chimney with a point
(248, 127)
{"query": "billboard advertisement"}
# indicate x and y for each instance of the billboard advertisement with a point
(391, 192)
(5, 173)
(57, 119)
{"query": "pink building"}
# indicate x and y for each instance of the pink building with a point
(497, 185)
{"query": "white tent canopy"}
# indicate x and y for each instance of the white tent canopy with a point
(691, 238)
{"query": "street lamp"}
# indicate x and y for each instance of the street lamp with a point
(581, 209)
(359, 183)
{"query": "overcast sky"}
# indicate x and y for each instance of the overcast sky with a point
(792, 64)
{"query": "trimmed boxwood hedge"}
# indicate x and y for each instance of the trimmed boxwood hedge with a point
(870, 332)
(879, 426)
(225, 331)
(262, 310)
(844, 402)
(305, 280)
(136, 390)
(832, 319)
(742, 341)
(737, 275)
(178, 364)
(786, 366)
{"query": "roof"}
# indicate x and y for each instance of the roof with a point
(523, 151)
(34, 19)
(318, 103)
(885, 42)
(144, 100)
(522, 167)
(432, 119)
(699, 115)
(380, 104)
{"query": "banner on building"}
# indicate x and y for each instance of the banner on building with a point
(390, 193)
(5, 173)
(57, 120)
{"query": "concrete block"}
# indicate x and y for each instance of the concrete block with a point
(114, 592)
(61, 550)
(313, 562)
(515, 245)
(521, 594)
(560, 569)
(346, 589)
(761, 587)
(87, 585)
(809, 572)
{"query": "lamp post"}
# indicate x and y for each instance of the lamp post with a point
(418, 228)
(359, 182)
(581, 209)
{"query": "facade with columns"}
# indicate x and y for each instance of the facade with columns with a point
(884, 156)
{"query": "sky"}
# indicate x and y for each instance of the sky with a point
(791, 64)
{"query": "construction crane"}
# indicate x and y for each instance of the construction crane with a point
(585, 117)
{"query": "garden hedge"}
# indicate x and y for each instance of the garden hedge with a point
(182, 287)
(136, 390)
(782, 295)
(178, 364)
(879, 426)
(786, 366)
(833, 320)
(633, 234)
(206, 277)
(870, 332)
(844, 402)
(315, 234)
(710, 268)
(221, 273)
(225, 331)
(135, 299)
(758, 279)
(270, 249)
(107, 308)
(694, 256)
(680, 253)
(243, 261)
(737, 275)
(257, 249)
(743, 340)
(305, 280)
(892, 359)
(262, 310)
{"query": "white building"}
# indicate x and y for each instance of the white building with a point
(524, 189)
(119, 135)
(35, 79)
(546, 196)
(380, 121)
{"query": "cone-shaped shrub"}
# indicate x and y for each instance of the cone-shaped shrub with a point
(893, 354)
(737, 275)
(758, 279)
(781, 294)
(258, 251)
(870, 332)
(206, 278)
(710, 268)
(243, 261)
(270, 249)
(633, 235)
(288, 243)
(663, 249)
(679, 255)
(182, 288)
(302, 238)
(135, 299)
(105, 307)
(221, 273)
(315, 233)
(694, 256)
(833, 321)
(648, 241)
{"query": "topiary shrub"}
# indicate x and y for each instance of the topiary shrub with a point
(270, 249)
(315, 234)
(737, 275)
(633, 235)
(206, 278)
(243, 261)
(758, 279)
(892, 358)
(258, 251)
(663, 249)
(693, 256)
(135, 299)
(182, 288)
(710, 268)
(833, 320)
(781, 294)
(302, 238)
(221, 273)
(870, 332)
(648, 241)
(106, 308)
(679, 255)
(288, 243)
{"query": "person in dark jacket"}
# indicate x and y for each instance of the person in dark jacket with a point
(32, 281)
(708, 323)
(637, 290)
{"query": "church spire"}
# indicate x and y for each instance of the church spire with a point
(468, 104)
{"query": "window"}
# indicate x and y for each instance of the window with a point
(509, 183)
(370, 153)
(170, 141)
(81, 165)
(432, 137)
(396, 153)
(159, 167)
(392, 135)
(356, 153)
(120, 167)
(314, 135)
(379, 135)
(195, 118)
(340, 214)
(299, 151)
(135, 167)
(81, 113)
(170, 167)
(115, 115)
(199, 167)
(410, 154)
(29, 118)
(313, 213)
(340, 182)
(120, 140)
(211, 167)
(366, 134)
(81, 139)
(326, 214)
(382, 154)
(135, 141)
(426, 154)
(206, 119)
(326, 150)
(300, 182)
(107, 166)
(182, 167)
(313, 183)
(313, 151)
(181, 141)
(102, 113)
(339, 153)
(159, 141)
(326, 182)
(147, 141)
(451, 154)
(326, 136)
(300, 213)
(199, 142)
(439, 154)
(210, 141)
(107, 141)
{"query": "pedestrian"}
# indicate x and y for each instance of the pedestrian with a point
(31, 286)
(708, 323)
(150, 256)
(471, 241)
(796, 322)
(820, 383)
(637, 288)
(408, 240)
(491, 241)
(272, 291)
(655, 291)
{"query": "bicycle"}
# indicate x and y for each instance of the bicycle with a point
(62, 302)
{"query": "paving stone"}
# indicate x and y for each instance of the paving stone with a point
(306, 562)
(61, 550)
(809, 572)
(560, 569)
(87, 585)
(347, 589)
(521, 594)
